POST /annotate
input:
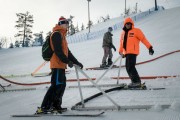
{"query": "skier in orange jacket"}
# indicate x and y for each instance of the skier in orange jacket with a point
(129, 48)
(62, 57)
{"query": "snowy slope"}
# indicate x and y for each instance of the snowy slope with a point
(162, 30)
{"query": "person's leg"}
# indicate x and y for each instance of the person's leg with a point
(110, 57)
(131, 70)
(106, 53)
(47, 102)
(60, 88)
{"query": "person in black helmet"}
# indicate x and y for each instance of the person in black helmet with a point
(107, 46)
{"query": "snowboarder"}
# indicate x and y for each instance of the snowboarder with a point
(129, 48)
(107, 46)
(58, 63)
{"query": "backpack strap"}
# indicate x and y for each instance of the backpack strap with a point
(51, 38)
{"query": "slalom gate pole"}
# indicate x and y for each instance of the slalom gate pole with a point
(119, 70)
(80, 70)
(79, 85)
(37, 69)
(107, 70)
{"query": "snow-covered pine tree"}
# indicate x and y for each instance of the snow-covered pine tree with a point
(3, 41)
(39, 37)
(24, 25)
(77, 29)
(82, 27)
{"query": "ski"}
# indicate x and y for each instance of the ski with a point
(160, 88)
(68, 113)
(142, 87)
(121, 86)
(101, 68)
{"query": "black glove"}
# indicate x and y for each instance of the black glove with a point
(70, 64)
(80, 65)
(151, 51)
(122, 55)
(114, 49)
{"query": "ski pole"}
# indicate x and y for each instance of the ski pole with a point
(3, 89)
(37, 69)
(119, 70)
(118, 107)
(80, 91)
(107, 70)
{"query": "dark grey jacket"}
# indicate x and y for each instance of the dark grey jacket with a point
(107, 40)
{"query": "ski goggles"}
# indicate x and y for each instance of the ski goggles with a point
(63, 22)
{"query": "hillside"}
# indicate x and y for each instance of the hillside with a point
(161, 29)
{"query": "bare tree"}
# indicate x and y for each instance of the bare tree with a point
(128, 12)
(104, 19)
(24, 23)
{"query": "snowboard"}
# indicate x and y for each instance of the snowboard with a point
(67, 113)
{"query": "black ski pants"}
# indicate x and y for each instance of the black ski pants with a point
(130, 68)
(55, 92)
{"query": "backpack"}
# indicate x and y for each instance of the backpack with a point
(47, 51)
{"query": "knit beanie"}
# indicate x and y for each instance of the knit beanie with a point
(62, 20)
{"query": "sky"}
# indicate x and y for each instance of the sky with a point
(47, 12)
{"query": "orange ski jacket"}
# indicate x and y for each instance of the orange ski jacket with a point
(135, 35)
(55, 62)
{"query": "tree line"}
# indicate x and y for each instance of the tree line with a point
(25, 22)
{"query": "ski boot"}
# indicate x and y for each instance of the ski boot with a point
(58, 109)
(43, 111)
(109, 62)
(143, 86)
(103, 65)
(137, 86)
